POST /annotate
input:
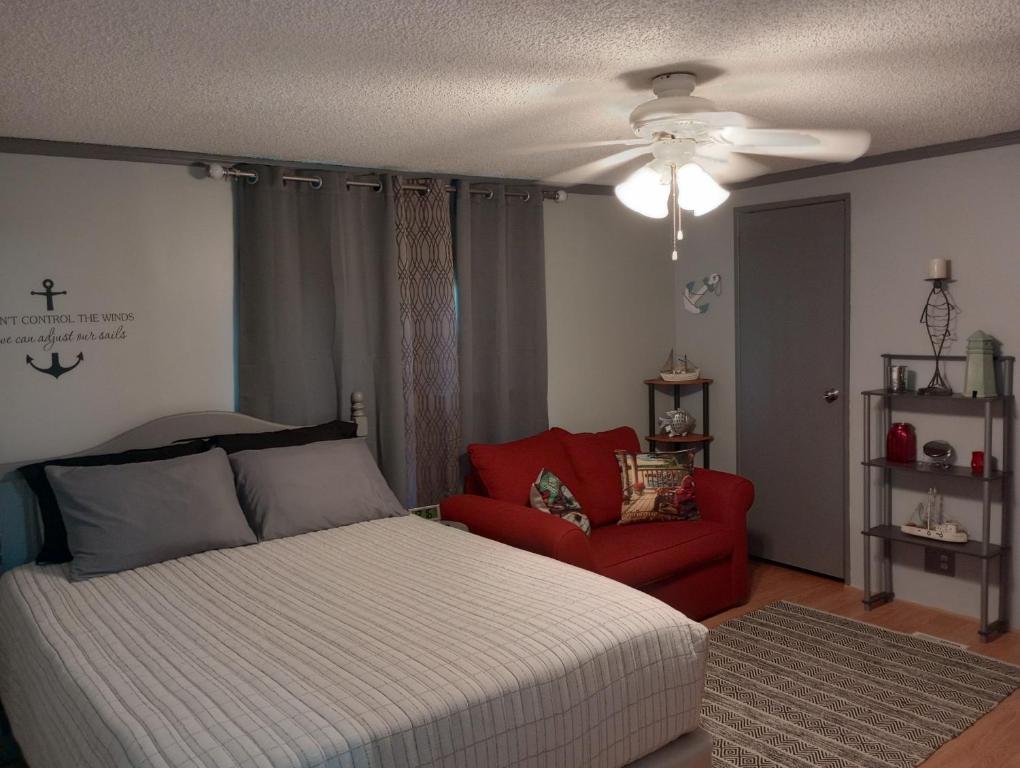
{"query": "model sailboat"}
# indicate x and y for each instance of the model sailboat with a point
(927, 522)
(679, 370)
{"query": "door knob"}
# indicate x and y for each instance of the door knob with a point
(831, 395)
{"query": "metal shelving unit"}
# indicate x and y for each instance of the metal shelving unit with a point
(695, 440)
(886, 532)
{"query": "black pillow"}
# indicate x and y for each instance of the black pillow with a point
(285, 438)
(54, 547)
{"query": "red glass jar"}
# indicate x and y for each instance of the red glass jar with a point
(901, 443)
(977, 462)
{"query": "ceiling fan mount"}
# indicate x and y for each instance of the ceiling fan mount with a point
(675, 112)
(674, 84)
(673, 150)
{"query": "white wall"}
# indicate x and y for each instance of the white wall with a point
(963, 207)
(609, 288)
(151, 241)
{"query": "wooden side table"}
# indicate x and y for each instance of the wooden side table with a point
(701, 440)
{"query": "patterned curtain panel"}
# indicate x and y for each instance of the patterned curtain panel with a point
(428, 319)
(345, 289)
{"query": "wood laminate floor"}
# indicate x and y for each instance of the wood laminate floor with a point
(993, 741)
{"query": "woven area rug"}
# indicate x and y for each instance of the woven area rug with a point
(792, 687)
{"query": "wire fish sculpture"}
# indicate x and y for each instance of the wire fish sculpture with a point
(676, 423)
(937, 318)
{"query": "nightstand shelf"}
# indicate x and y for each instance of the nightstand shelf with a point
(927, 468)
(691, 438)
(886, 531)
(660, 382)
(701, 442)
(970, 548)
(953, 398)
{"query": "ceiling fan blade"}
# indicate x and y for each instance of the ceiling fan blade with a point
(589, 172)
(722, 119)
(714, 150)
(581, 145)
(725, 166)
(830, 146)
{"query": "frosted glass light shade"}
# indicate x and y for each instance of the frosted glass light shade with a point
(698, 192)
(644, 192)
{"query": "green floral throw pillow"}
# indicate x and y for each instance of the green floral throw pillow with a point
(549, 494)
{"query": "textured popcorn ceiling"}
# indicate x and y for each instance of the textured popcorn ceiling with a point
(470, 86)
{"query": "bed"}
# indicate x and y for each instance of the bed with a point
(394, 642)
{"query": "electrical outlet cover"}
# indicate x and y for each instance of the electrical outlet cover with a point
(939, 561)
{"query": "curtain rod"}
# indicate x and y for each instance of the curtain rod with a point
(218, 171)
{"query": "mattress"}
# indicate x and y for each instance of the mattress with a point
(396, 642)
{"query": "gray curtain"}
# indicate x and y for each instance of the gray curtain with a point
(500, 257)
(433, 307)
(319, 308)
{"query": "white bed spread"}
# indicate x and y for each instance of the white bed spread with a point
(397, 642)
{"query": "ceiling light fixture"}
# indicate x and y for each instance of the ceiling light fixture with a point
(671, 175)
(695, 144)
(697, 191)
(645, 192)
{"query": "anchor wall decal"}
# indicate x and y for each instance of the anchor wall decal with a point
(56, 370)
(693, 295)
(48, 293)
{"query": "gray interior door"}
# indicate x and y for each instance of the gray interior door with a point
(792, 263)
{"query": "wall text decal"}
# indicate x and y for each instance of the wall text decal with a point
(55, 327)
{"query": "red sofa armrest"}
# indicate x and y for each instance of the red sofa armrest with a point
(521, 527)
(723, 498)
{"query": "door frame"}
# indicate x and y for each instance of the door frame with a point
(845, 383)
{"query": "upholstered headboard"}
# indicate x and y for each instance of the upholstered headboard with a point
(19, 515)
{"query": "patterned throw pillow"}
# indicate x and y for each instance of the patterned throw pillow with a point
(657, 487)
(549, 494)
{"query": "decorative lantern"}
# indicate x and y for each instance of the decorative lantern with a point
(937, 318)
(980, 380)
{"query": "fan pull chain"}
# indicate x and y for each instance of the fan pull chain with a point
(676, 211)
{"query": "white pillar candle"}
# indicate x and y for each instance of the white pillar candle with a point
(938, 269)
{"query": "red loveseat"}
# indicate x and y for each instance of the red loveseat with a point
(699, 566)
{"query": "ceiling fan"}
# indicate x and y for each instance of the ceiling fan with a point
(695, 146)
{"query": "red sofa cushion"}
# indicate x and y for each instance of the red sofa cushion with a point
(641, 554)
(508, 470)
(593, 458)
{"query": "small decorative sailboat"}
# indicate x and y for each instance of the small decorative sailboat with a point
(678, 370)
(927, 523)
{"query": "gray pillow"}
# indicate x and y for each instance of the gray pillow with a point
(122, 517)
(302, 488)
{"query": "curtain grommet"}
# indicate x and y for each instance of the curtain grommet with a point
(489, 194)
(316, 182)
(252, 179)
